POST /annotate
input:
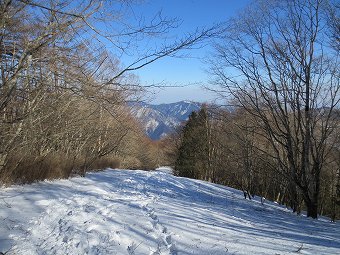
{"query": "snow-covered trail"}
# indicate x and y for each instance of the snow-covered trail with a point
(138, 212)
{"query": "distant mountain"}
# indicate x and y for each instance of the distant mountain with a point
(160, 120)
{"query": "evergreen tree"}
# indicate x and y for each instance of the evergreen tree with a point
(193, 155)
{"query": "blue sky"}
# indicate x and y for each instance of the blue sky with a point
(189, 70)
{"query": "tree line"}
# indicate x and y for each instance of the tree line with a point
(225, 147)
(64, 92)
(277, 64)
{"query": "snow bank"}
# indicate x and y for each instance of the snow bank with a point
(165, 169)
(137, 212)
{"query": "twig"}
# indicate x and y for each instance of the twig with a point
(6, 252)
(6, 204)
(299, 249)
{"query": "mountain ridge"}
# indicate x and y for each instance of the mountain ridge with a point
(159, 120)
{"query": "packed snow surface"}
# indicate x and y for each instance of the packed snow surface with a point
(138, 212)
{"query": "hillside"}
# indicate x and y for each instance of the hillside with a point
(138, 212)
(160, 120)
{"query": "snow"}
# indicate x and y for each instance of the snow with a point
(152, 124)
(162, 119)
(139, 212)
(165, 169)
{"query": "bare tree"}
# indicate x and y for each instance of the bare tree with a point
(277, 62)
(63, 89)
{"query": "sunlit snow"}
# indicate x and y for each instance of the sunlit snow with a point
(138, 212)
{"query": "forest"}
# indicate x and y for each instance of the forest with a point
(64, 98)
(278, 64)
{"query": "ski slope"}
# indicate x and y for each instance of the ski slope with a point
(138, 212)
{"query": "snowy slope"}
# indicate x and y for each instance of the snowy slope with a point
(137, 212)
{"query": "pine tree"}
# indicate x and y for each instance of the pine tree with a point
(193, 155)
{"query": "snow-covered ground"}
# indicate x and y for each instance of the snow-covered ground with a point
(137, 212)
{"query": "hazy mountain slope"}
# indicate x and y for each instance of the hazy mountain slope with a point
(160, 120)
(180, 110)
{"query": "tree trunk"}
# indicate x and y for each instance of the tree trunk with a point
(312, 209)
(311, 203)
